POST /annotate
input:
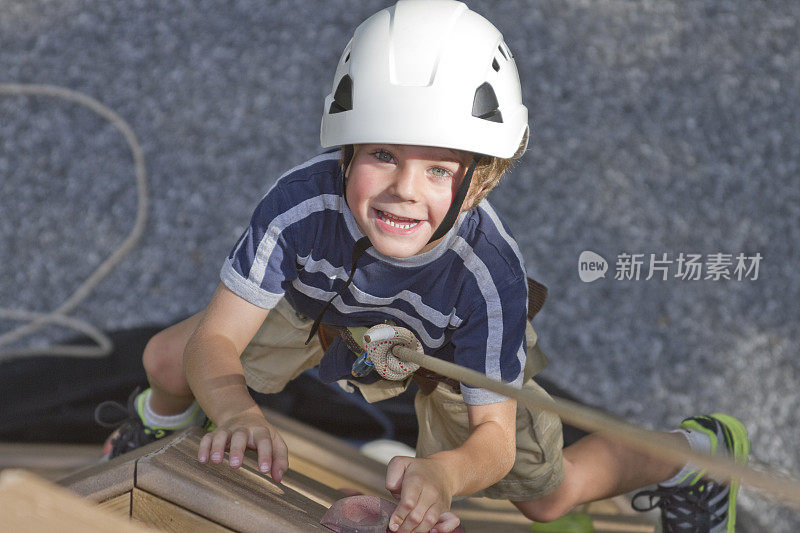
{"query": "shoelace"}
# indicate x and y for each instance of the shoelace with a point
(131, 432)
(683, 509)
(119, 413)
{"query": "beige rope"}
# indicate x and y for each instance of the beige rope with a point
(779, 486)
(380, 339)
(58, 316)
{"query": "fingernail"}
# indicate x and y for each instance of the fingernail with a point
(264, 467)
(216, 457)
(202, 458)
(394, 527)
(235, 462)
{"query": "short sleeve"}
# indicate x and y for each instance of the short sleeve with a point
(491, 339)
(263, 259)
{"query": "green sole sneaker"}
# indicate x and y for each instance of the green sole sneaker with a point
(697, 504)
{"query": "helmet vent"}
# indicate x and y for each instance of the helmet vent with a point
(495, 65)
(484, 105)
(347, 57)
(343, 97)
(502, 52)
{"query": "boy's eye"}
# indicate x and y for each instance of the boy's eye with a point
(441, 173)
(383, 155)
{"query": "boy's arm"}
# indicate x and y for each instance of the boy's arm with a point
(215, 375)
(426, 486)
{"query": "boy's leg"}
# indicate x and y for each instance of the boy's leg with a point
(163, 362)
(164, 407)
(596, 467)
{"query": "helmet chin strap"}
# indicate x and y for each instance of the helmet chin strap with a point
(364, 243)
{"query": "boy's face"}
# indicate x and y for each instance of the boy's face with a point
(399, 194)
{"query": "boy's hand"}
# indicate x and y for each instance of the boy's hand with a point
(424, 491)
(248, 429)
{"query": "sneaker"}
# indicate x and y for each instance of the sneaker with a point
(131, 432)
(697, 504)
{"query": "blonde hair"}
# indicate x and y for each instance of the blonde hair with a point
(486, 176)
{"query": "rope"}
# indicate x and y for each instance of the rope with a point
(777, 485)
(379, 341)
(58, 316)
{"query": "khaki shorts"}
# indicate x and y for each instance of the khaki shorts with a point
(277, 354)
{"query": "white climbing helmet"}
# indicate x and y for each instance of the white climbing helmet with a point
(430, 73)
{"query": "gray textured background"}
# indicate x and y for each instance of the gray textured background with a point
(658, 127)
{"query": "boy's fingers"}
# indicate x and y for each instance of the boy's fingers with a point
(280, 457)
(218, 445)
(394, 474)
(398, 516)
(418, 520)
(402, 519)
(204, 448)
(237, 447)
(264, 448)
(447, 523)
(428, 520)
(424, 514)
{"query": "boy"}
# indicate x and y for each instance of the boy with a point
(426, 107)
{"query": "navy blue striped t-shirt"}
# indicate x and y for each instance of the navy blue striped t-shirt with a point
(465, 299)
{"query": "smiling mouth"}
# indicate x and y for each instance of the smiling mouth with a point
(395, 221)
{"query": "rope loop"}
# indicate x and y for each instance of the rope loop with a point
(379, 341)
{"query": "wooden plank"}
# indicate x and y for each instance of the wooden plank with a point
(331, 455)
(166, 516)
(331, 478)
(31, 504)
(242, 499)
(48, 457)
(118, 505)
(102, 481)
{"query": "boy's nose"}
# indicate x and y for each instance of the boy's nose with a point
(405, 186)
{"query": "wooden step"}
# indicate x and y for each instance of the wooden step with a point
(162, 485)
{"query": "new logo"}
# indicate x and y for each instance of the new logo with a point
(591, 266)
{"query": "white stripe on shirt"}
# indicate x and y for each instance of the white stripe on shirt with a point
(281, 222)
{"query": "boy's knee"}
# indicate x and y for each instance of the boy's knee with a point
(541, 510)
(163, 360)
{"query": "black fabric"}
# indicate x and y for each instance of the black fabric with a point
(53, 399)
